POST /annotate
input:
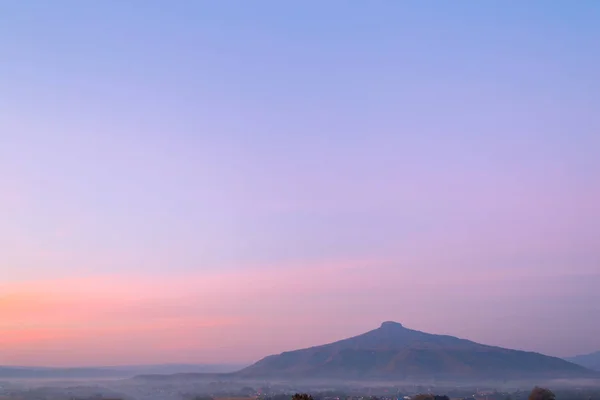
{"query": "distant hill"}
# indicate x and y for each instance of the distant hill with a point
(180, 368)
(58, 373)
(111, 372)
(395, 352)
(591, 361)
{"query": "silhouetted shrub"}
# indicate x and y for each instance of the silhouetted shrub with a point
(539, 393)
(302, 396)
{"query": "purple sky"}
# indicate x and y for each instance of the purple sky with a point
(218, 181)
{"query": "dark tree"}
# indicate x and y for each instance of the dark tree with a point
(430, 397)
(302, 396)
(539, 393)
(423, 397)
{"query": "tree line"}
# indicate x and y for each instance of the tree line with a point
(537, 393)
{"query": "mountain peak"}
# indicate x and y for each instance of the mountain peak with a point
(391, 324)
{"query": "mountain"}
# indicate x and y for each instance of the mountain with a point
(591, 361)
(58, 373)
(395, 352)
(179, 368)
(111, 372)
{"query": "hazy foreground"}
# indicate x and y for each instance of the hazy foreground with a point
(197, 389)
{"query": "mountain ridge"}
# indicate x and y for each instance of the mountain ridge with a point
(590, 360)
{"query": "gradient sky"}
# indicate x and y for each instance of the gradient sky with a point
(215, 181)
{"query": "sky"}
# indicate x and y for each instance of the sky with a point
(197, 181)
